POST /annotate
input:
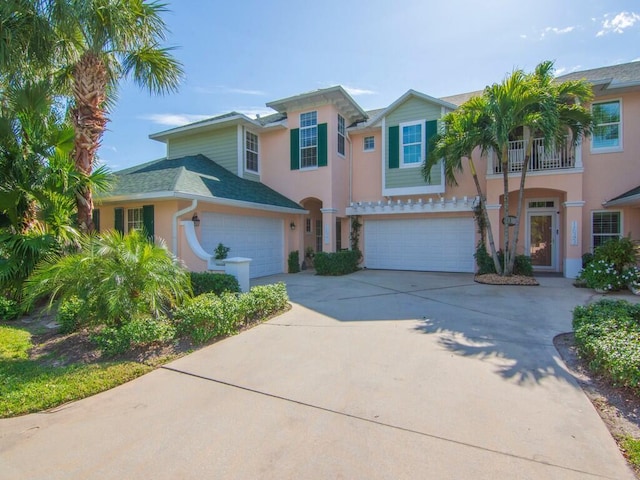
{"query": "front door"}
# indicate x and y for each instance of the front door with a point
(542, 239)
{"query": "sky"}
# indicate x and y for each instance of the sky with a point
(237, 56)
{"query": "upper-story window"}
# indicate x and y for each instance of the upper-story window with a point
(607, 131)
(341, 134)
(251, 152)
(309, 140)
(369, 144)
(412, 144)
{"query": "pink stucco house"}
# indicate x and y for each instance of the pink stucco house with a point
(295, 179)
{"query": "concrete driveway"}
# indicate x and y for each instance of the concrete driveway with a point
(378, 374)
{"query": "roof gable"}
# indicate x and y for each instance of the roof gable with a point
(410, 94)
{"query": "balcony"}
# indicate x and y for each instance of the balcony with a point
(558, 158)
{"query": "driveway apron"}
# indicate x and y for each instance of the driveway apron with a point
(378, 374)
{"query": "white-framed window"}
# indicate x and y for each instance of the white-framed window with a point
(308, 228)
(341, 134)
(369, 144)
(607, 130)
(412, 144)
(134, 219)
(605, 225)
(309, 140)
(251, 152)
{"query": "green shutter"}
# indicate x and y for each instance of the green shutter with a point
(147, 220)
(95, 217)
(119, 220)
(322, 145)
(295, 148)
(431, 128)
(394, 147)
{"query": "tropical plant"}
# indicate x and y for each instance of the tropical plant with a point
(221, 252)
(94, 44)
(618, 251)
(602, 275)
(118, 278)
(533, 101)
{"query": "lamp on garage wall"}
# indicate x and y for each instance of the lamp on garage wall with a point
(292, 226)
(195, 220)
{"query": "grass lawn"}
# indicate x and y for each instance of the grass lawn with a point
(31, 385)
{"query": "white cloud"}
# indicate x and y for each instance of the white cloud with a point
(565, 70)
(354, 91)
(557, 31)
(224, 89)
(173, 119)
(619, 23)
(523, 36)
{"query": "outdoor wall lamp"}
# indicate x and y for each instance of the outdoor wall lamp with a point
(292, 226)
(195, 220)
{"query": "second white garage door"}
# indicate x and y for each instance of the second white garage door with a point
(434, 244)
(261, 239)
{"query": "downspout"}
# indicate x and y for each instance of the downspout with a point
(174, 225)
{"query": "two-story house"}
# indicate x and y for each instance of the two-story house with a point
(293, 180)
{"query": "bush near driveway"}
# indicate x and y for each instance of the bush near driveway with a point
(608, 336)
(218, 283)
(208, 316)
(338, 263)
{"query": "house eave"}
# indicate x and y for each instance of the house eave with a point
(204, 125)
(169, 195)
(630, 201)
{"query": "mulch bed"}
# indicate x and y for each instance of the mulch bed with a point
(495, 279)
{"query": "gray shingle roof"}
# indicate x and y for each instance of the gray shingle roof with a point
(195, 175)
(623, 73)
(631, 193)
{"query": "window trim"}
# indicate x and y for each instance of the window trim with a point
(620, 225)
(341, 133)
(257, 152)
(308, 227)
(128, 222)
(301, 128)
(364, 144)
(618, 148)
(423, 142)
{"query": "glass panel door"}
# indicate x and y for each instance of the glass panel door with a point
(541, 239)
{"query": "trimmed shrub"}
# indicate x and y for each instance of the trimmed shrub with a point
(608, 337)
(208, 316)
(338, 263)
(484, 261)
(218, 283)
(139, 331)
(294, 262)
(68, 314)
(9, 309)
(587, 258)
(618, 251)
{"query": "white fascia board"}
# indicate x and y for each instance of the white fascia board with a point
(631, 200)
(403, 98)
(239, 118)
(212, 200)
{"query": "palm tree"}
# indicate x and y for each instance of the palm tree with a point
(93, 44)
(533, 101)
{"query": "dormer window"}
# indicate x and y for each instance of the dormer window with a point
(251, 152)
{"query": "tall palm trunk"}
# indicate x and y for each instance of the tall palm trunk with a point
(505, 205)
(516, 233)
(485, 214)
(89, 122)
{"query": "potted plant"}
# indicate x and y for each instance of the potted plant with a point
(631, 278)
(602, 276)
(220, 253)
(309, 253)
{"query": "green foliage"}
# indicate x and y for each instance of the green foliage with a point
(354, 236)
(208, 316)
(522, 265)
(587, 258)
(139, 331)
(221, 252)
(9, 309)
(15, 343)
(218, 283)
(608, 336)
(338, 263)
(294, 261)
(620, 252)
(631, 277)
(631, 447)
(601, 275)
(68, 314)
(120, 277)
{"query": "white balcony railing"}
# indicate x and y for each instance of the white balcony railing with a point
(560, 157)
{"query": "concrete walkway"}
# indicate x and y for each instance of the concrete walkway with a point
(374, 375)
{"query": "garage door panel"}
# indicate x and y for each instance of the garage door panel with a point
(435, 244)
(261, 239)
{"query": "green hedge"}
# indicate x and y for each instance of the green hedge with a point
(218, 283)
(9, 309)
(338, 263)
(521, 266)
(294, 262)
(608, 336)
(208, 316)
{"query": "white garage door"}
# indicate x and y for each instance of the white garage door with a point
(434, 244)
(261, 239)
